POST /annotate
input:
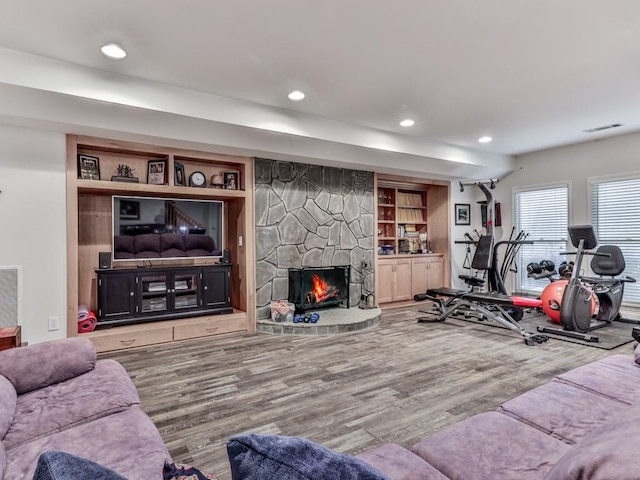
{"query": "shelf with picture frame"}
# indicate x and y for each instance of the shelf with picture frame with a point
(89, 213)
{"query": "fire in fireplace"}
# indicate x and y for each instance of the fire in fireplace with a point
(319, 287)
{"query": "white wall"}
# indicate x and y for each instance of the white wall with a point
(575, 164)
(33, 224)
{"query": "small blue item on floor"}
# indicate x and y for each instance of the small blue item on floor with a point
(298, 318)
(314, 317)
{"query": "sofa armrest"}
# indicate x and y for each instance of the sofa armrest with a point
(43, 364)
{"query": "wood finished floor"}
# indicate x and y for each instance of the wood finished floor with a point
(395, 383)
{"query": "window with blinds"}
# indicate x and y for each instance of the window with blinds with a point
(543, 214)
(615, 214)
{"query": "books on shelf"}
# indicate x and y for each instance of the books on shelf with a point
(157, 286)
(409, 199)
(410, 216)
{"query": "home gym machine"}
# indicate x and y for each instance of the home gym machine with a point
(496, 305)
(576, 304)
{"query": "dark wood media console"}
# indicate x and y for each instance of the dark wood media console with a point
(136, 295)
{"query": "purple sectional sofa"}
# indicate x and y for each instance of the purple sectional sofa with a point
(584, 424)
(57, 396)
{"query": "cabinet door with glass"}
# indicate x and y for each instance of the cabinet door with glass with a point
(154, 290)
(184, 290)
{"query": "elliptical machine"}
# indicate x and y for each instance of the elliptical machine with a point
(576, 305)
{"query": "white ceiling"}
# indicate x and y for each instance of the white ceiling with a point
(530, 73)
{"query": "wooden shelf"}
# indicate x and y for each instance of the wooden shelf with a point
(107, 187)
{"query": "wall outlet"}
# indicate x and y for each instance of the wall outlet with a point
(54, 323)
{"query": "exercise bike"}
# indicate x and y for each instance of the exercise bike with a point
(576, 305)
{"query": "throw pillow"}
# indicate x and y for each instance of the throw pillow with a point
(272, 457)
(181, 471)
(54, 465)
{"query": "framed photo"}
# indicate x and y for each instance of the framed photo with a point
(463, 214)
(157, 172)
(178, 175)
(88, 167)
(129, 210)
(231, 180)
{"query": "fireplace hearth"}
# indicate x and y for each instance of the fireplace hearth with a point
(312, 288)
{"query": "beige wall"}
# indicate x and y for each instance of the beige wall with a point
(32, 225)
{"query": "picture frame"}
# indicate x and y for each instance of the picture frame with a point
(157, 172)
(231, 181)
(463, 213)
(129, 210)
(88, 167)
(179, 178)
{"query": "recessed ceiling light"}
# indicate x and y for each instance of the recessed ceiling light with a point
(485, 139)
(113, 50)
(407, 122)
(296, 95)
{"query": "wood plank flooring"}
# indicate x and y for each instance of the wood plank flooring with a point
(395, 383)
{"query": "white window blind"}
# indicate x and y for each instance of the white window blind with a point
(544, 215)
(615, 212)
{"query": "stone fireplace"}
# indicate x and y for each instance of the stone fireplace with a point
(310, 216)
(312, 288)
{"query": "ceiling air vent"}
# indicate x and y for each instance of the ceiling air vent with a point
(604, 127)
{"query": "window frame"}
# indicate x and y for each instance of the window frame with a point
(592, 183)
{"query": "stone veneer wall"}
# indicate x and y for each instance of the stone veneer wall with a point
(311, 216)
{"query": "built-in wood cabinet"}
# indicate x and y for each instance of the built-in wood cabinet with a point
(426, 272)
(127, 296)
(90, 231)
(413, 247)
(395, 275)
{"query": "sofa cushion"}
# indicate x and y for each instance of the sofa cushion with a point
(609, 452)
(261, 457)
(8, 399)
(198, 245)
(172, 245)
(104, 390)
(563, 410)
(126, 442)
(42, 364)
(605, 377)
(398, 463)
(64, 466)
(123, 247)
(484, 447)
(147, 245)
(3, 460)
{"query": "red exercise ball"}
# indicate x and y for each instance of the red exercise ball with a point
(552, 298)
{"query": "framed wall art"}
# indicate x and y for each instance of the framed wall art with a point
(463, 214)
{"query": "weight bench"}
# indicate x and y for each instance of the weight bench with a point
(504, 310)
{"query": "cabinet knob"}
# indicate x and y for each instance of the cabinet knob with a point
(131, 294)
(206, 288)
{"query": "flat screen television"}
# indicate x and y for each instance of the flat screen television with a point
(146, 228)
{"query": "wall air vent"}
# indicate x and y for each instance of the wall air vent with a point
(604, 127)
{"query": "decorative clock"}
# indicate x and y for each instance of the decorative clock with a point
(197, 179)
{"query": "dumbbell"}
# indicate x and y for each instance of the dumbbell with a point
(534, 268)
(548, 265)
(565, 269)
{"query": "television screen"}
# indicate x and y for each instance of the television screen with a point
(147, 228)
